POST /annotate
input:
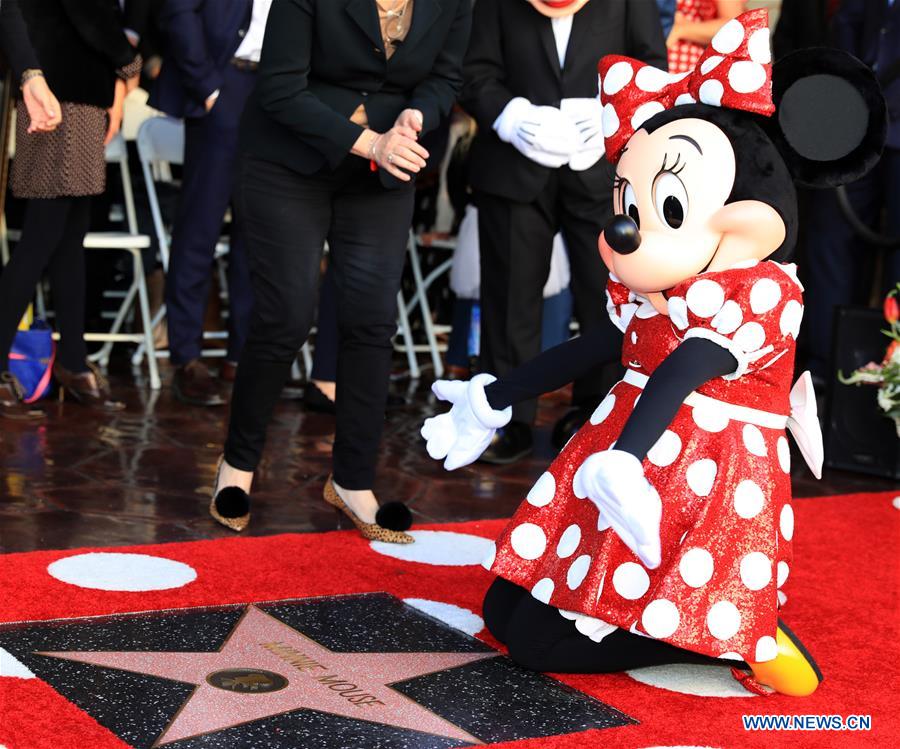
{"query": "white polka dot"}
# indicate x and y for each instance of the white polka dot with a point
(786, 522)
(660, 618)
(764, 295)
(455, 616)
(443, 548)
(705, 298)
(723, 620)
(766, 649)
(631, 580)
(125, 572)
(729, 37)
(645, 112)
(12, 667)
(543, 589)
(666, 449)
(602, 525)
(758, 47)
(731, 656)
(748, 499)
(695, 679)
(604, 409)
(490, 558)
(684, 99)
(784, 454)
(756, 570)
(617, 77)
(782, 599)
(711, 92)
(745, 76)
(528, 541)
(610, 120)
(729, 318)
(633, 337)
(783, 570)
(754, 440)
(709, 417)
(751, 336)
(677, 309)
(568, 542)
(578, 571)
(651, 79)
(696, 567)
(710, 63)
(791, 317)
(543, 491)
(701, 475)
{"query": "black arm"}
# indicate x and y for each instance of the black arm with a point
(99, 24)
(693, 363)
(556, 367)
(645, 37)
(14, 39)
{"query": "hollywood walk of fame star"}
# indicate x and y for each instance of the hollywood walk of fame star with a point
(354, 685)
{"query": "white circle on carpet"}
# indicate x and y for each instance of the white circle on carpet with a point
(122, 572)
(12, 666)
(439, 548)
(700, 680)
(455, 616)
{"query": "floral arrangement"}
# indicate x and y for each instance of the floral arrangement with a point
(887, 373)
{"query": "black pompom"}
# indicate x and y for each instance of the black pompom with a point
(395, 516)
(232, 502)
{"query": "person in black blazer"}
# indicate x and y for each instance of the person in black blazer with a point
(537, 168)
(330, 150)
(208, 71)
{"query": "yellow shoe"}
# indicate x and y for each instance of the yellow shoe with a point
(793, 671)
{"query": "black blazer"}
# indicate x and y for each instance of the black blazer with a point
(14, 41)
(321, 59)
(80, 44)
(513, 53)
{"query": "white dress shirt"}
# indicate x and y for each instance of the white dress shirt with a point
(562, 30)
(251, 47)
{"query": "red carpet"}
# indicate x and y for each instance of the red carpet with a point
(842, 600)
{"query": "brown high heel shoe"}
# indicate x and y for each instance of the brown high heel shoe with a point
(371, 531)
(12, 405)
(89, 388)
(231, 506)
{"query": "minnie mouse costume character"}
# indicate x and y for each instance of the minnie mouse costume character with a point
(662, 531)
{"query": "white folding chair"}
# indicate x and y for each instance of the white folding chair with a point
(160, 144)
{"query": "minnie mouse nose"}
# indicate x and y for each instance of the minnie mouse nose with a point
(622, 235)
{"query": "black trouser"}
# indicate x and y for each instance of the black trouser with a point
(286, 219)
(52, 239)
(540, 638)
(516, 241)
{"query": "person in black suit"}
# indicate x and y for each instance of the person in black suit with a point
(330, 150)
(537, 168)
(209, 69)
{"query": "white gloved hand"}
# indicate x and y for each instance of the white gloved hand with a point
(465, 431)
(543, 134)
(587, 115)
(614, 481)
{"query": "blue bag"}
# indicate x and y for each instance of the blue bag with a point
(31, 360)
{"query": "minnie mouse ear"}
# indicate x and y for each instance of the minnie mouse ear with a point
(830, 117)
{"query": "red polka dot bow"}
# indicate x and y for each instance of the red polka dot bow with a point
(735, 71)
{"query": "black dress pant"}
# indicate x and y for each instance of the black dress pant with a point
(516, 242)
(287, 217)
(52, 240)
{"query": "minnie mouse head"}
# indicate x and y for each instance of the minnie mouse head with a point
(706, 161)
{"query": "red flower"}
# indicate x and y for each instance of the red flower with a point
(891, 309)
(890, 350)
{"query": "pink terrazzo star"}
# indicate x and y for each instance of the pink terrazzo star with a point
(353, 685)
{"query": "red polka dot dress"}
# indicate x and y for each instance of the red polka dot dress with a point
(721, 469)
(684, 55)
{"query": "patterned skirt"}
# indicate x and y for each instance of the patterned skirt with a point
(69, 162)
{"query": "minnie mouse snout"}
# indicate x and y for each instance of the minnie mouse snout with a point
(622, 235)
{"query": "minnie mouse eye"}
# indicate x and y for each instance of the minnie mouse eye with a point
(629, 204)
(671, 199)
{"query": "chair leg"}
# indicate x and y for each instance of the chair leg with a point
(102, 355)
(138, 355)
(406, 332)
(146, 321)
(421, 292)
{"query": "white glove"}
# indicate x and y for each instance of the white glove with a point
(614, 481)
(543, 134)
(465, 431)
(587, 115)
